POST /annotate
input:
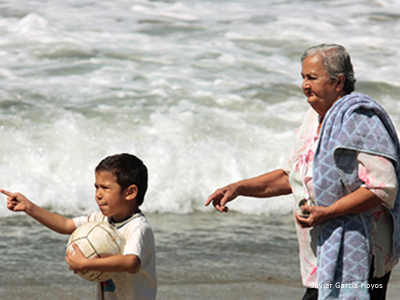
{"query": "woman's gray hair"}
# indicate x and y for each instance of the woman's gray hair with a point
(336, 61)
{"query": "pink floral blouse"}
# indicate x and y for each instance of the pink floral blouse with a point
(378, 175)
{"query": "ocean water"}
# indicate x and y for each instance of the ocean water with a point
(205, 92)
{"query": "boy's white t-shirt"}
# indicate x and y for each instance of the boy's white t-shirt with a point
(140, 242)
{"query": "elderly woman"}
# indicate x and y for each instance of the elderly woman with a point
(343, 172)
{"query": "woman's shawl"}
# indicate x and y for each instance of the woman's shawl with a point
(354, 123)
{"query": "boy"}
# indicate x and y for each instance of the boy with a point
(121, 183)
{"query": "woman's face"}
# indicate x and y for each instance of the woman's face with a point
(321, 91)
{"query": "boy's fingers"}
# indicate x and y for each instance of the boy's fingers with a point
(10, 196)
(5, 192)
(76, 248)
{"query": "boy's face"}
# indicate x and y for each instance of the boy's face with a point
(109, 197)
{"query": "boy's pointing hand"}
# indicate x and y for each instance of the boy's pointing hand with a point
(16, 201)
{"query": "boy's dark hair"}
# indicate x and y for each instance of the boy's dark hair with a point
(129, 170)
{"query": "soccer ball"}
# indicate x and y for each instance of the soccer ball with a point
(96, 239)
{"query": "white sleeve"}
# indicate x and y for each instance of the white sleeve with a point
(97, 216)
(379, 176)
(139, 239)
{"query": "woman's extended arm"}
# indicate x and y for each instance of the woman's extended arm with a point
(270, 184)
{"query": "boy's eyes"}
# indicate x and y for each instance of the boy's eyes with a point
(101, 187)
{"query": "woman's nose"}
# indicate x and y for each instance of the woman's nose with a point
(305, 84)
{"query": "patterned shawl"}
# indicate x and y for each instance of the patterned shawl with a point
(354, 123)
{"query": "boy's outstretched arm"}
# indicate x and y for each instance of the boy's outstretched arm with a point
(58, 223)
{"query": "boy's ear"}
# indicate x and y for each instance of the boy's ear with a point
(131, 192)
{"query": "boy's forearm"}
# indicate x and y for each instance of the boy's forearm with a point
(51, 220)
(116, 263)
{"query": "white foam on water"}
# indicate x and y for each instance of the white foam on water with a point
(53, 162)
(206, 93)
